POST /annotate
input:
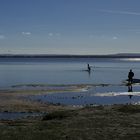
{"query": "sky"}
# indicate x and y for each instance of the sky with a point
(69, 26)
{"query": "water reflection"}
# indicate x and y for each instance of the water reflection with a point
(89, 73)
(130, 89)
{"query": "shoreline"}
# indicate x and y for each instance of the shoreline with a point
(54, 121)
(16, 97)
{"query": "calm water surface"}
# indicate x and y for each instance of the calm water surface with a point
(73, 71)
(17, 71)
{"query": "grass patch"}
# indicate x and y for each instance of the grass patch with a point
(103, 122)
(129, 109)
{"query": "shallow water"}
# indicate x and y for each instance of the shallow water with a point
(95, 96)
(16, 115)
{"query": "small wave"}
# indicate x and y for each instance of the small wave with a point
(109, 94)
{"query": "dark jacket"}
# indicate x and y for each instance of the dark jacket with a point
(130, 75)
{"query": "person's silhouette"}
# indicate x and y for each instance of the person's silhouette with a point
(130, 76)
(88, 67)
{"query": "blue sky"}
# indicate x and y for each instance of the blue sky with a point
(69, 26)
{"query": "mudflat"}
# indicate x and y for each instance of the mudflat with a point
(59, 122)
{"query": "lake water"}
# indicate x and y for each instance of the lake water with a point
(16, 71)
(73, 71)
(17, 115)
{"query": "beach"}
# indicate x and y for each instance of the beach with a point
(40, 99)
(57, 121)
(69, 70)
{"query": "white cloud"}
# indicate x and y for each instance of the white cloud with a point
(26, 33)
(121, 12)
(114, 37)
(54, 35)
(2, 37)
(50, 34)
(102, 37)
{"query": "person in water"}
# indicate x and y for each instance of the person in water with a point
(130, 76)
(89, 68)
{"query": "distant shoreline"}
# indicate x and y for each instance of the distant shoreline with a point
(68, 56)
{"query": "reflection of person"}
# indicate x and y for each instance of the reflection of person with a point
(130, 76)
(130, 96)
(130, 89)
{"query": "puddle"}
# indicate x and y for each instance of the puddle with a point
(16, 115)
(95, 96)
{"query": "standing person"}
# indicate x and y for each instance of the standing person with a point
(130, 76)
(89, 68)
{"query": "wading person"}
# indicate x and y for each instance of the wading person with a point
(130, 76)
(89, 68)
